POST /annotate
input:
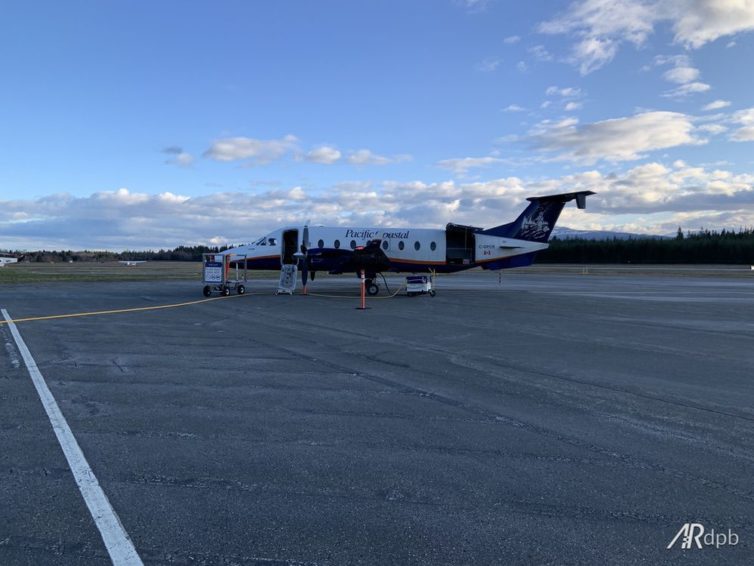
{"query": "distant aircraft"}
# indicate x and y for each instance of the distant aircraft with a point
(413, 250)
(4, 260)
(131, 262)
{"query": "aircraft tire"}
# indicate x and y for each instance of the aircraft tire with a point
(373, 289)
(432, 292)
(207, 290)
(241, 290)
(225, 292)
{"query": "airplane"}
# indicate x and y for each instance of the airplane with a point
(4, 260)
(132, 262)
(376, 251)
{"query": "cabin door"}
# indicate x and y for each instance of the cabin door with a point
(460, 242)
(290, 247)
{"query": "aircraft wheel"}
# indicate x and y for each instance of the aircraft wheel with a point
(225, 292)
(372, 289)
(432, 292)
(241, 289)
(207, 290)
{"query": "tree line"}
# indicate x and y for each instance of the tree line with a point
(181, 253)
(704, 246)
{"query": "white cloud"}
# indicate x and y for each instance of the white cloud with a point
(521, 66)
(592, 53)
(540, 53)
(745, 119)
(681, 75)
(619, 139)
(674, 60)
(253, 151)
(654, 187)
(488, 65)
(368, 157)
(601, 26)
(514, 108)
(473, 6)
(462, 165)
(686, 89)
(325, 154)
(260, 152)
(717, 105)
(566, 92)
(697, 22)
(626, 19)
(743, 134)
(651, 197)
(511, 39)
(178, 156)
(713, 129)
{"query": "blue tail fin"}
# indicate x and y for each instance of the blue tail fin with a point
(536, 222)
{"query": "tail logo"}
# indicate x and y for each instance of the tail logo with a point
(535, 226)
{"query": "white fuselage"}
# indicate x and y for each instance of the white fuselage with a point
(408, 249)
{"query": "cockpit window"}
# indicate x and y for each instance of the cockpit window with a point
(271, 241)
(261, 242)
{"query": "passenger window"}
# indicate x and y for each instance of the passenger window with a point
(417, 246)
(321, 244)
(433, 246)
(353, 244)
(337, 244)
(385, 245)
(401, 245)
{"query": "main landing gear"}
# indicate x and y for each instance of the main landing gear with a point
(370, 282)
(372, 287)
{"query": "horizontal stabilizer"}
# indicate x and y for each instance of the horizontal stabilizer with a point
(580, 197)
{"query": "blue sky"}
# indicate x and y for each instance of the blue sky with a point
(150, 124)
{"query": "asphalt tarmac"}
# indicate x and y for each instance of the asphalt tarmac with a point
(539, 419)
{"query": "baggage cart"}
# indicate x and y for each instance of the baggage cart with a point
(419, 285)
(218, 274)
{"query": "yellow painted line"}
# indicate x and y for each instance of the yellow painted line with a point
(119, 311)
(172, 306)
(351, 297)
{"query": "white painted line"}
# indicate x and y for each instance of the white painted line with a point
(115, 537)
